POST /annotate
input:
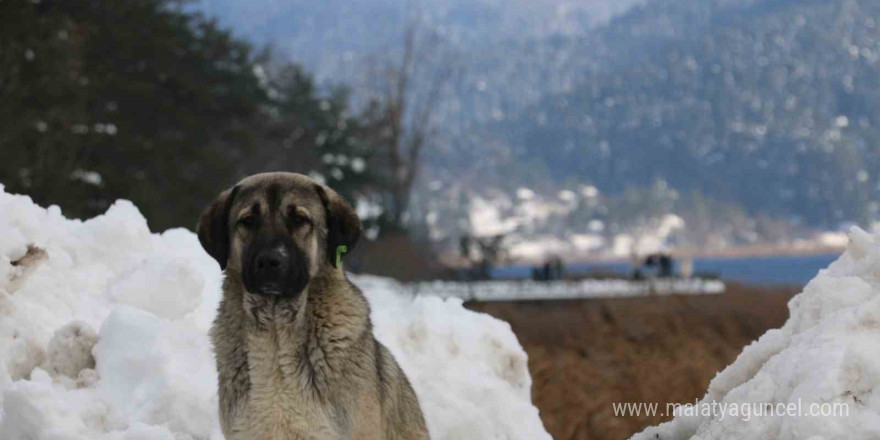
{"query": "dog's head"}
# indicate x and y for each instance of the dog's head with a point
(277, 231)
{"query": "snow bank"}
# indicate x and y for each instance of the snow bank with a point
(823, 364)
(103, 336)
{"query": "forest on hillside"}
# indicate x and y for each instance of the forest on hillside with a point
(149, 101)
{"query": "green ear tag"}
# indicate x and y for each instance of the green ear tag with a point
(341, 249)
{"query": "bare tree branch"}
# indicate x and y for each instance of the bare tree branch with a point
(410, 101)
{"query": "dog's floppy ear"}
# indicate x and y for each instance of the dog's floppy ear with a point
(213, 227)
(343, 224)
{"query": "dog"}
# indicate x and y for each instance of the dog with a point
(295, 351)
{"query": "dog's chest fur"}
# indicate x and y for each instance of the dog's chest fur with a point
(281, 401)
(306, 368)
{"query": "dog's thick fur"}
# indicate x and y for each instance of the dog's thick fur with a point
(305, 365)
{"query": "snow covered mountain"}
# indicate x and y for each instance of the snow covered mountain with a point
(767, 105)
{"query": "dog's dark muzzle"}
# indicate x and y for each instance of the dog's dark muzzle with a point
(270, 269)
(276, 269)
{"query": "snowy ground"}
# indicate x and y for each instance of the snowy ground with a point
(104, 337)
(825, 357)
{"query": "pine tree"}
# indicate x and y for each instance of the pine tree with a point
(134, 99)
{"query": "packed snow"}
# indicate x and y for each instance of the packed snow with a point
(103, 336)
(824, 358)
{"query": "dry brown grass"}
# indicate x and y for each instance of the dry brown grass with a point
(586, 354)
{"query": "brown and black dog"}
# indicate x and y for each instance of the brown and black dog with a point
(295, 350)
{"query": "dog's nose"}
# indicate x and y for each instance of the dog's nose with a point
(272, 262)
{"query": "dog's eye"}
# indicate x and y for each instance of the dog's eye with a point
(248, 221)
(299, 220)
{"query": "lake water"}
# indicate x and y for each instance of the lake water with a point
(766, 270)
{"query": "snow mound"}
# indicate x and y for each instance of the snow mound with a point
(822, 367)
(103, 336)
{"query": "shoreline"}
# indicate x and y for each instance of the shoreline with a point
(657, 349)
(680, 254)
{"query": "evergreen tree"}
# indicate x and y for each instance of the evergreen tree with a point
(314, 133)
(132, 99)
(140, 99)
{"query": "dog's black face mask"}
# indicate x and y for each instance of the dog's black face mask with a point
(274, 266)
(277, 230)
